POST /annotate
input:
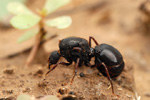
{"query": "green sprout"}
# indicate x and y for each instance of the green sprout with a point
(28, 97)
(25, 19)
(23, 97)
(4, 14)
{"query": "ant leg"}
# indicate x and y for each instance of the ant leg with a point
(91, 38)
(63, 63)
(76, 70)
(109, 78)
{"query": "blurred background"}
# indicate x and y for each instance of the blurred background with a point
(125, 24)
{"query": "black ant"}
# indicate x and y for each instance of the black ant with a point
(108, 60)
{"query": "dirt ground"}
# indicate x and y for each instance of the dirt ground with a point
(115, 22)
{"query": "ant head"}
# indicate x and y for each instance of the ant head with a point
(53, 58)
(91, 52)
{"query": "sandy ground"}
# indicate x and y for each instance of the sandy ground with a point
(118, 23)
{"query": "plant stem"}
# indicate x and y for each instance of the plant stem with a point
(38, 39)
(29, 48)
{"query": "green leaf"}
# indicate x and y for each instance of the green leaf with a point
(23, 97)
(18, 8)
(60, 22)
(29, 34)
(52, 5)
(3, 7)
(24, 21)
(50, 97)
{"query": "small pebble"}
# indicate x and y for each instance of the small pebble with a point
(39, 73)
(63, 91)
(71, 92)
(7, 91)
(147, 95)
(69, 98)
(8, 71)
(82, 74)
(9, 98)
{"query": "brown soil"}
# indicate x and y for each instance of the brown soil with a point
(118, 23)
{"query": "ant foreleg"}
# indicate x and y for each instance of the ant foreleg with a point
(63, 63)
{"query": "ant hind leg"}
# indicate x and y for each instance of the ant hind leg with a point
(109, 78)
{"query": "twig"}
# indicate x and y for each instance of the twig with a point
(38, 39)
(35, 47)
(29, 48)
